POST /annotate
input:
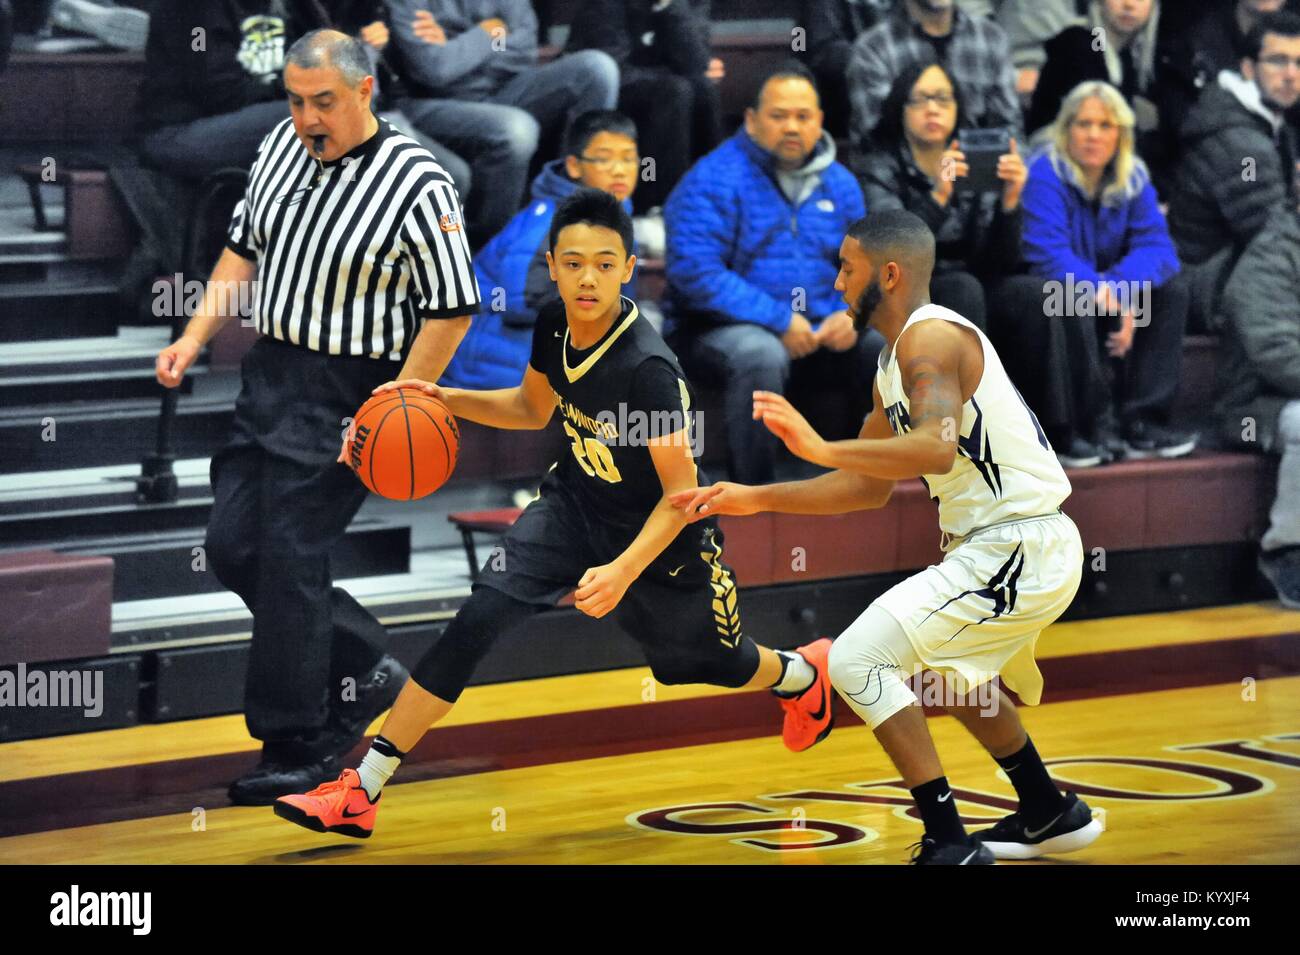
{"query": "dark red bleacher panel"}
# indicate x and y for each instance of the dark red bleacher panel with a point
(55, 606)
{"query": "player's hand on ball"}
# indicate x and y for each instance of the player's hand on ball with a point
(600, 589)
(721, 498)
(348, 434)
(428, 387)
(789, 425)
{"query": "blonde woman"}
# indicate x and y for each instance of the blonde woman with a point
(1103, 284)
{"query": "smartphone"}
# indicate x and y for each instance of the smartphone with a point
(982, 147)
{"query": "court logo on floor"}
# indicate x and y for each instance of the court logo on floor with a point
(1137, 779)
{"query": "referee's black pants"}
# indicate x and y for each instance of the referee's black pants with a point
(281, 502)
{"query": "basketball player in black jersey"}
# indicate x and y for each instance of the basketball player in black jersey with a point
(603, 522)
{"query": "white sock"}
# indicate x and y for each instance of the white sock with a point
(799, 674)
(378, 766)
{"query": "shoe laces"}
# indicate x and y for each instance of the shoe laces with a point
(921, 850)
(339, 785)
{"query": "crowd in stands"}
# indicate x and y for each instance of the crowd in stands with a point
(1102, 177)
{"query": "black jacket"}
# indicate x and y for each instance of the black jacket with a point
(1231, 176)
(1259, 371)
(678, 36)
(971, 232)
(182, 83)
(833, 25)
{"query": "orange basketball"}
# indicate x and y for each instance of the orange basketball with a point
(405, 445)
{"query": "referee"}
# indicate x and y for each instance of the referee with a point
(351, 241)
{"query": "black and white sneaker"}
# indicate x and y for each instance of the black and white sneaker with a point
(1145, 440)
(930, 852)
(1080, 454)
(1282, 569)
(1073, 828)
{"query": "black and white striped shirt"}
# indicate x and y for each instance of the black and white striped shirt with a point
(354, 253)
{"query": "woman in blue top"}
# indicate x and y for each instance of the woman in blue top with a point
(1103, 284)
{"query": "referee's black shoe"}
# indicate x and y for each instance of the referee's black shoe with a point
(375, 692)
(284, 768)
(1072, 828)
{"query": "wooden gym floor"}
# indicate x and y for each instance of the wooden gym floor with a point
(1184, 728)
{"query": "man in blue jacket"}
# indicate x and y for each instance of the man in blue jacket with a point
(753, 233)
(513, 278)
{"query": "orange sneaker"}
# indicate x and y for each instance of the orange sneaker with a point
(342, 807)
(808, 718)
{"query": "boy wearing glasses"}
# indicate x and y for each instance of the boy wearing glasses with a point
(600, 153)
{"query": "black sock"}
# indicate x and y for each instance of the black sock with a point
(1040, 800)
(939, 811)
(385, 747)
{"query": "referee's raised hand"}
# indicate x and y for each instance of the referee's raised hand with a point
(172, 361)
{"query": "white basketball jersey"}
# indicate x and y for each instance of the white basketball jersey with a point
(1005, 468)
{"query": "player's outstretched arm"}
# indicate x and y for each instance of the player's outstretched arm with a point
(601, 588)
(930, 357)
(836, 493)
(527, 407)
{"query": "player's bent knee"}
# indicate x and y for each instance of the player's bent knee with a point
(733, 670)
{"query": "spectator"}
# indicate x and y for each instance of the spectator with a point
(977, 234)
(1028, 25)
(1213, 42)
(1259, 381)
(975, 53)
(1238, 162)
(754, 231)
(832, 27)
(662, 51)
(1101, 264)
(601, 153)
(478, 58)
(212, 88)
(1118, 44)
(364, 19)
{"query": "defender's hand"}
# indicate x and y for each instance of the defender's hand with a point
(721, 498)
(789, 425)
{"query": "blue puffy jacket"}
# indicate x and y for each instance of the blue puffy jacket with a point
(1125, 239)
(514, 282)
(738, 249)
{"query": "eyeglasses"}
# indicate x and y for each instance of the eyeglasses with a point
(938, 99)
(604, 162)
(1279, 62)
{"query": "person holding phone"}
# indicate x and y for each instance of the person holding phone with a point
(1096, 344)
(920, 164)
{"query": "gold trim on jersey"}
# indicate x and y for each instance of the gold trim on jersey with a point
(573, 374)
(726, 615)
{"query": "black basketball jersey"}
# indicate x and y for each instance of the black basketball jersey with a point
(612, 398)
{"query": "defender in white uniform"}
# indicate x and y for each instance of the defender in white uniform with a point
(945, 412)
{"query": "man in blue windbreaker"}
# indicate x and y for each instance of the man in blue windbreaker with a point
(753, 235)
(600, 153)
